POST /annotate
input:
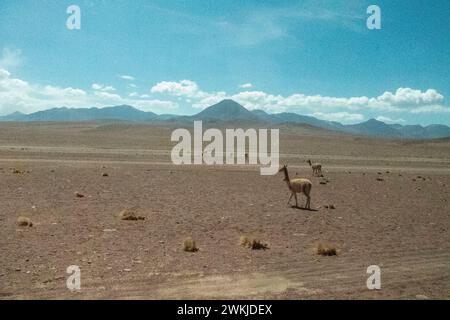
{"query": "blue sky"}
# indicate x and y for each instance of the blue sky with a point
(310, 57)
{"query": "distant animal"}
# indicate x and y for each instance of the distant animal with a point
(297, 185)
(316, 167)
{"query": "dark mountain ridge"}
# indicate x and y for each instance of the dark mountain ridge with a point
(229, 111)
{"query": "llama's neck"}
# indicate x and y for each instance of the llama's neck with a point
(286, 177)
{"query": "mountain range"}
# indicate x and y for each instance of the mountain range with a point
(229, 111)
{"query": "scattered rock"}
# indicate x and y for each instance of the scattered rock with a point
(380, 179)
(329, 206)
(79, 195)
(422, 297)
(323, 182)
(105, 175)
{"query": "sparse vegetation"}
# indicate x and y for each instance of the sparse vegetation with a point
(130, 215)
(189, 245)
(252, 243)
(18, 171)
(326, 249)
(24, 222)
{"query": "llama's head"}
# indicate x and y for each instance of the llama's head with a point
(283, 169)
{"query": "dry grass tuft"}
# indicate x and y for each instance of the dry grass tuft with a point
(24, 222)
(130, 215)
(252, 243)
(18, 171)
(189, 245)
(326, 249)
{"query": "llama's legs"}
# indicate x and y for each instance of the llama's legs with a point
(292, 194)
(308, 202)
(296, 201)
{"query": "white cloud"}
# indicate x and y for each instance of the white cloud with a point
(409, 97)
(4, 74)
(389, 120)
(188, 90)
(19, 95)
(334, 108)
(246, 86)
(101, 87)
(62, 92)
(431, 109)
(127, 77)
(343, 117)
(155, 104)
(185, 88)
(108, 96)
(11, 58)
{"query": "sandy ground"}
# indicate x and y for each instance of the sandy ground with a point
(391, 203)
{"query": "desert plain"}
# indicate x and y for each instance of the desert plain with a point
(390, 199)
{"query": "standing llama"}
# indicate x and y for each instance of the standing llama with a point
(316, 167)
(298, 185)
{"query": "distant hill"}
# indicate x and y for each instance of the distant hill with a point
(124, 113)
(15, 116)
(226, 110)
(373, 127)
(231, 111)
